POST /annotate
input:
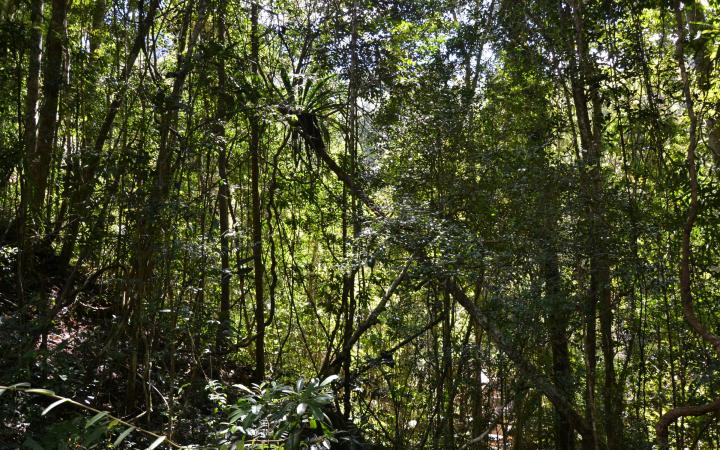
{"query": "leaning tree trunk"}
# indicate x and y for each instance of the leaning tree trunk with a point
(525, 368)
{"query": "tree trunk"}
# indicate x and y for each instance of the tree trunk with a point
(256, 208)
(223, 193)
(33, 77)
(558, 323)
(41, 158)
(448, 425)
(599, 296)
(29, 138)
(349, 301)
(525, 368)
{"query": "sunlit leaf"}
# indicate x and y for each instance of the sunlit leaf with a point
(40, 391)
(156, 442)
(329, 380)
(52, 405)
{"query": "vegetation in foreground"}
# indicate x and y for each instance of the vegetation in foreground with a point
(410, 224)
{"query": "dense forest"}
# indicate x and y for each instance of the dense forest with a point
(360, 224)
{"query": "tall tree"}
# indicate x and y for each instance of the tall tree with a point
(224, 194)
(259, 269)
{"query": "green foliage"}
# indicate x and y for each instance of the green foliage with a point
(270, 415)
(274, 415)
(453, 133)
(95, 431)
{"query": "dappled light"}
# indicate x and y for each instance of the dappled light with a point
(360, 224)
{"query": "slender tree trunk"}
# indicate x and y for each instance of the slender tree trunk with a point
(525, 368)
(87, 107)
(38, 170)
(448, 425)
(256, 208)
(349, 300)
(29, 138)
(558, 323)
(477, 397)
(41, 158)
(33, 77)
(599, 296)
(223, 192)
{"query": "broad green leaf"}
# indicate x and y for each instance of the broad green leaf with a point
(329, 380)
(95, 418)
(293, 441)
(323, 399)
(122, 436)
(157, 442)
(54, 404)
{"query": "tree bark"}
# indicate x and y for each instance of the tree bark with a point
(29, 138)
(41, 158)
(33, 77)
(349, 299)
(223, 191)
(600, 295)
(448, 423)
(256, 208)
(558, 323)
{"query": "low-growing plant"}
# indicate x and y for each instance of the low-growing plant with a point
(85, 433)
(277, 416)
(266, 416)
